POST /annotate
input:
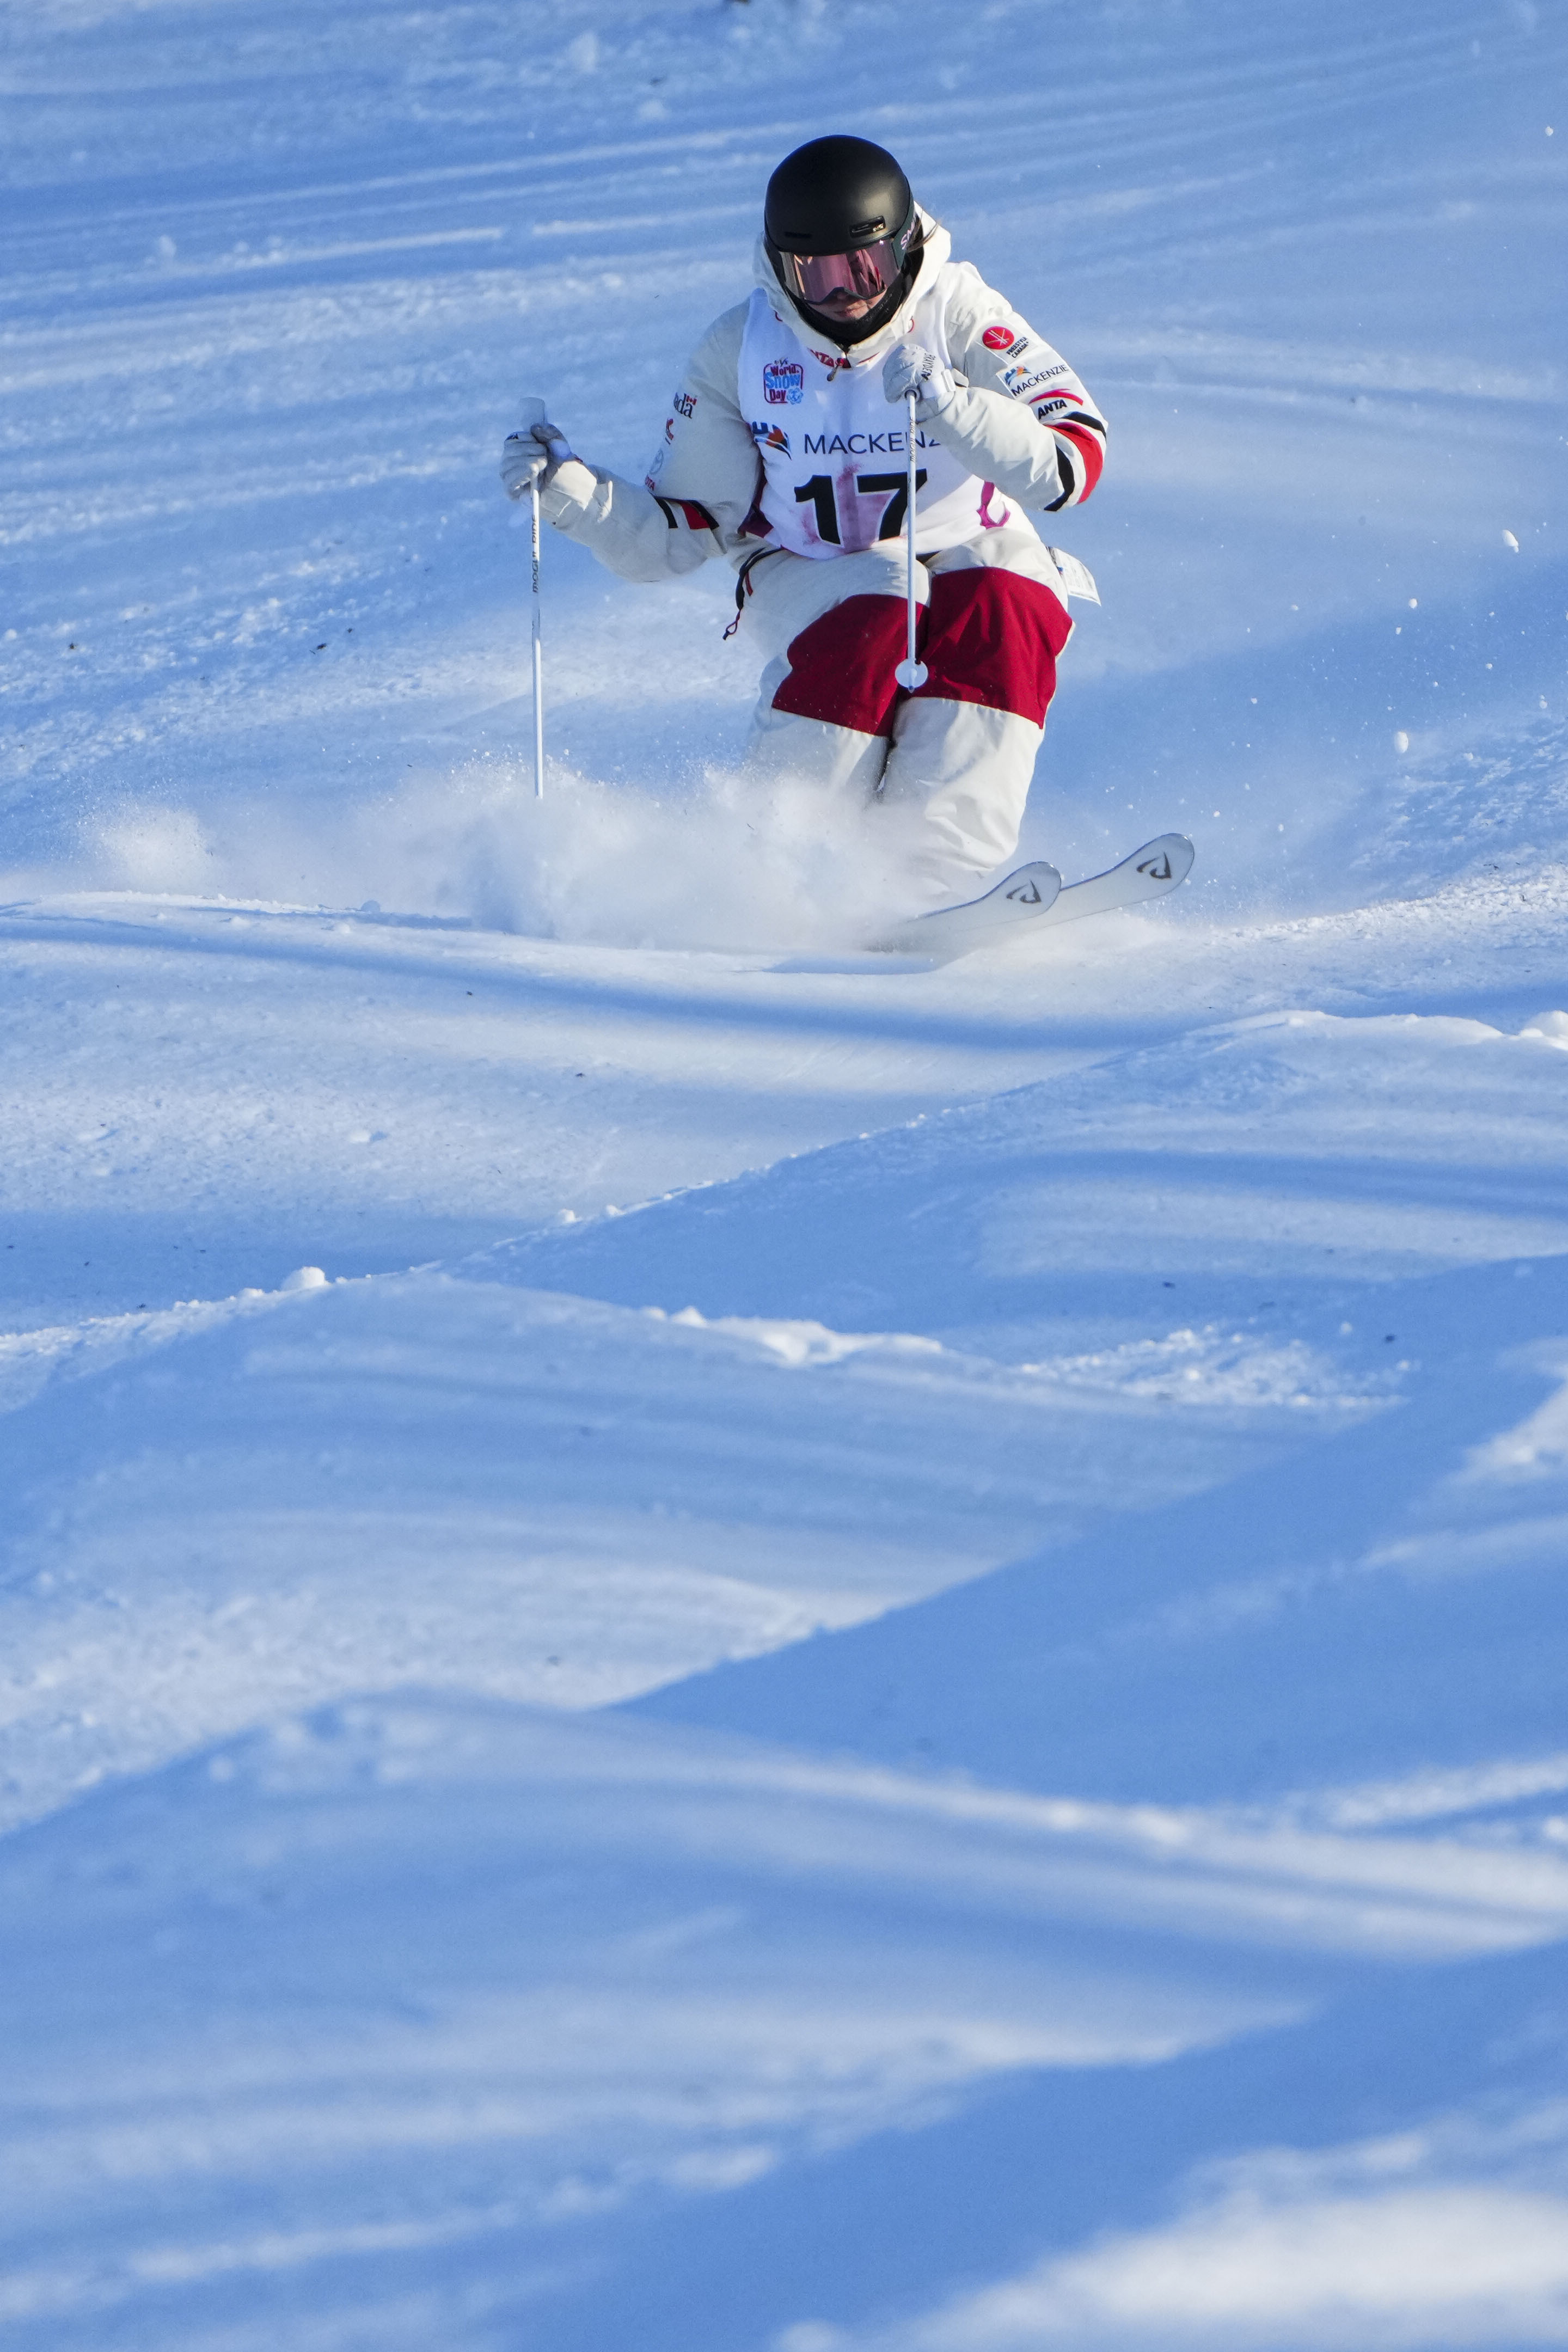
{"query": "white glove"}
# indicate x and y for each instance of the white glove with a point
(540, 452)
(909, 367)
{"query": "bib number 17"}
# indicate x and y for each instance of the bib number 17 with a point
(821, 493)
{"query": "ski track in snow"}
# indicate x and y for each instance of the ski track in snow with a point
(708, 1643)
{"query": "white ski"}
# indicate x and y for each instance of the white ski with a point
(1021, 898)
(1032, 898)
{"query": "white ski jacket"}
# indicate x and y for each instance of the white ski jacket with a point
(747, 418)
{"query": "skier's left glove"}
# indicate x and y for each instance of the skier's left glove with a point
(542, 451)
(909, 367)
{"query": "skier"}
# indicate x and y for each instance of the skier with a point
(786, 451)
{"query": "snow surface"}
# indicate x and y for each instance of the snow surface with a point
(710, 1645)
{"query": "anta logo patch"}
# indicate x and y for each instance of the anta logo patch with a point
(685, 403)
(783, 380)
(1001, 339)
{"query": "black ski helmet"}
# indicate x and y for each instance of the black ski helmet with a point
(839, 194)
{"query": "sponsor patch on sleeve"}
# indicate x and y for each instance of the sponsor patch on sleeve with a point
(1022, 379)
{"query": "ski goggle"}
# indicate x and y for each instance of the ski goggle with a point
(865, 274)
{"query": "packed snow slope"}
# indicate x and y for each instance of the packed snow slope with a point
(709, 1644)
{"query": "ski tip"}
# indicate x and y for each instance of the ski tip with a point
(1006, 909)
(1166, 860)
(1027, 887)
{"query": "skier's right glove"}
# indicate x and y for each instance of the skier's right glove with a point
(538, 454)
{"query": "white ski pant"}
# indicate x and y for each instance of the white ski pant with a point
(962, 747)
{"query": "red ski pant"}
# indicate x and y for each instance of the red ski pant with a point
(963, 746)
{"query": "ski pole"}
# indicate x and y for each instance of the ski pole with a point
(538, 653)
(535, 412)
(911, 673)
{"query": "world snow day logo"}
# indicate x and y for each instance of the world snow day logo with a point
(783, 380)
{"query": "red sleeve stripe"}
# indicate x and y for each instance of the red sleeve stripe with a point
(695, 516)
(1083, 438)
(1067, 475)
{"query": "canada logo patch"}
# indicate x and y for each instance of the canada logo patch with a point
(783, 380)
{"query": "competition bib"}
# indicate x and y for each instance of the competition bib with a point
(835, 451)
